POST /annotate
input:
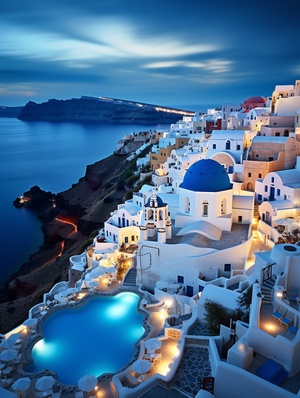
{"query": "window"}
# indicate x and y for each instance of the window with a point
(257, 155)
(272, 179)
(238, 147)
(132, 238)
(126, 239)
(204, 208)
(259, 197)
(278, 192)
(227, 267)
(187, 205)
(214, 146)
(180, 279)
(266, 188)
(240, 218)
(277, 134)
(249, 174)
(259, 175)
(223, 206)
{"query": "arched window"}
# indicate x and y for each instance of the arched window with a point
(205, 208)
(150, 215)
(187, 205)
(227, 145)
(161, 214)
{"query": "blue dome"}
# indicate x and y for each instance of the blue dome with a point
(206, 175)
(155, 201)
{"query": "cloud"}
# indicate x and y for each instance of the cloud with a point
(139, 49)
(214, 66)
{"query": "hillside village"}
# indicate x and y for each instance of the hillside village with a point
(210, 240)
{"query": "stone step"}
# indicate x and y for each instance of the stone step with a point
(130, 278)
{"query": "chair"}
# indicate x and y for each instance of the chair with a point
(291, 333)
(293, 295)
(280, 313)
(287, 319)
(272, 372)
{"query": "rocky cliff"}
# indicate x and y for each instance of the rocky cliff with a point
(68, 229)
(89, 109)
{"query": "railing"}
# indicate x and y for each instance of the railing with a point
(267, 272)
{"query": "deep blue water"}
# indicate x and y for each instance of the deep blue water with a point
(95, 338)
(52, 156)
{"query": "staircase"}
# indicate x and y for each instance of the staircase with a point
(245, 154)
(255, 211)
(267, 290)
(130, 278)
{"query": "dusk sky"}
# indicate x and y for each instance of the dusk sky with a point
(161, 51)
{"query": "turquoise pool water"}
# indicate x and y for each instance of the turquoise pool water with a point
(95, 338)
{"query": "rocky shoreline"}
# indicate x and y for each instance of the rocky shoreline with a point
(87, 205)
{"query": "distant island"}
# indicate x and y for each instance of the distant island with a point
(10, 111)
(101, 109)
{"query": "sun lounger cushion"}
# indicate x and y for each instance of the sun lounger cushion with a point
(272, 372)
(279, 314)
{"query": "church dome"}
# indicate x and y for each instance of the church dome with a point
(255, 100)
(206, 175)
(155, 201)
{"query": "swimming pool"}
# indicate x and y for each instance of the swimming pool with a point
(95, 338)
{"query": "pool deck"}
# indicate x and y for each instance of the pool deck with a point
(193, 366)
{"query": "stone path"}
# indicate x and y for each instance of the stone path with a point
(194, 365)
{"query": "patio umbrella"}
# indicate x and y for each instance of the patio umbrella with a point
(7, 343)
(30, 322)
(7, 394)
(87, 383)
(60, 298)
(44, 383)
(285, 221)
(72, 290)
(21, 384)
(93, 284)
(141, 366)
(8, 355)
(153, 344)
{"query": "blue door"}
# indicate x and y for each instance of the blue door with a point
(189, 291)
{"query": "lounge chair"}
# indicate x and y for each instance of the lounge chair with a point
(291, 333)
(272, 372)
(287, 319)
(280, 313)
(293, 295)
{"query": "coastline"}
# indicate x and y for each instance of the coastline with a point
(87, 204)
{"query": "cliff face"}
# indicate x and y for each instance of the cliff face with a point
(93, 109)
(86, 205)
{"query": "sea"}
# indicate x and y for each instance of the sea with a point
(53, 156)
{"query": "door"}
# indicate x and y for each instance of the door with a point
(272, 193)
(189, 291)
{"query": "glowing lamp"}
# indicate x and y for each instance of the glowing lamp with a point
(279, 294)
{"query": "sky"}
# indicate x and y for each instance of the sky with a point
(166, 52)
